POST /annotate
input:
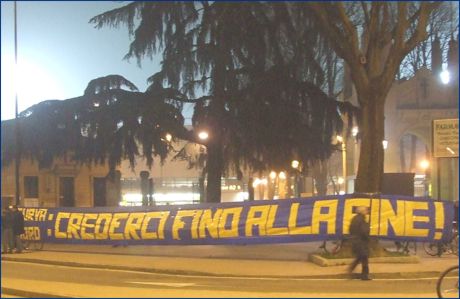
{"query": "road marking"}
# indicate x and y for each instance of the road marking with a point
(219, 276)
(166, 284)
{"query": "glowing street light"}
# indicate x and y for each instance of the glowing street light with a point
(295, 164)
(424, 164)
(282, 175)
(385, 144)
(339, 138)
(273, 175)
(354, 131)
(340, 180)
(203, 135)
(445, 77)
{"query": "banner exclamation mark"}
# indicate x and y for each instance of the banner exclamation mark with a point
(439, 220)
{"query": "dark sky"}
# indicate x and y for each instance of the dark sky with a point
(59, 52)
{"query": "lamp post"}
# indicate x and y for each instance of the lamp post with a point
(16, 127)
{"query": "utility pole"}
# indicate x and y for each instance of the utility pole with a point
(16, 127)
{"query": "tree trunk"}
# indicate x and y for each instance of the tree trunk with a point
(320, 176)
(214, 169)
(370, 169)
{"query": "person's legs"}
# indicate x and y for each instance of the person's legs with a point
(365, 267)
(8, 241)
(353, 265)
(4, 242)
(18, 243)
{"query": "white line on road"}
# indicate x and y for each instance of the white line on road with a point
(166, 284)
(221, 276)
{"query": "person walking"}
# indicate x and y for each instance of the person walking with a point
(359, 236)
(7, 231)
(18, 228)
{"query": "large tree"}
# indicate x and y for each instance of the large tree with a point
(256, 81)
(112, 121)
(372, 38)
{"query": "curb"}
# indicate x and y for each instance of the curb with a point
(325, 262)
(29, 294)
(395, 275)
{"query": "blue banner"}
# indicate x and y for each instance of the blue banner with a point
(250, 222)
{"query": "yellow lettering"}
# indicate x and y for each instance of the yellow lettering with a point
(274, 231)
(57, 233)
(41, 215)
(159, 234)
(389, 216)
(103, 220)
(210, 223)
(411, 231)
(133, 224)
(178, 223)
(374, 217)
(439, 220)
(195, 223)
(233, 230)
(293, 228)
(114, 224)
(260, 220)
(73, 229)
(329, 217)
(85, 225)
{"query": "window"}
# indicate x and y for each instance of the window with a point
(31, 186)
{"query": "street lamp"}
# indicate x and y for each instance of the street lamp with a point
(295, 164)
(203, 135)
(424, 164)
(445, 77)
(385, 144)
(282, 175)
(354, 131)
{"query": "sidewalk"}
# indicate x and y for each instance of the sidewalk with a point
(280, 260)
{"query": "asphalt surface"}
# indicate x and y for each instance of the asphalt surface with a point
(84, 282)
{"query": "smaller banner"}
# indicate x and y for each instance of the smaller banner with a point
(267, 221)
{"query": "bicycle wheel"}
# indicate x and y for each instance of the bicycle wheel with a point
(333, 247)
(447, 285)
(431, 248)
(37, 245)
(454, 245)
(25, 244)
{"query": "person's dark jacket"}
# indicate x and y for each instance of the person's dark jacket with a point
(18, 223)
(7, 220)
(359, 232)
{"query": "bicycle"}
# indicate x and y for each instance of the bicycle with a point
(29, 244)
(447, 285)
(439, 248)
(331, 247)
(406, 247)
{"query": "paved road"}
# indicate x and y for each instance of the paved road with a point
(83, 282)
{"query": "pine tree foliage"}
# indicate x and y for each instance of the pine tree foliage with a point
(253, 63)
(105, 125)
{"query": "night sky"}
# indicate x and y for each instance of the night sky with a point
(59, 52)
